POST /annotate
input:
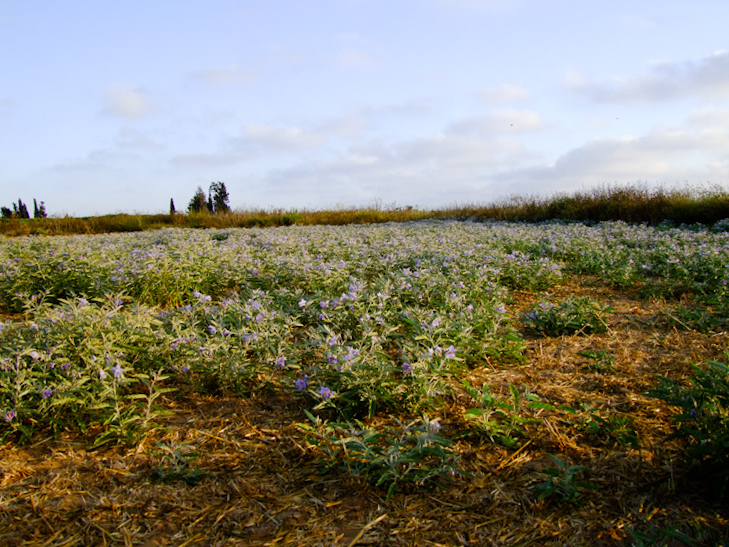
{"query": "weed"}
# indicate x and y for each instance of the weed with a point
(415, 454)
(702, 419)
(580, 315)
(562, 481)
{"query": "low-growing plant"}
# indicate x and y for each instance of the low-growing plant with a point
(702, 419)
(600, 361)
(580, 315)
(611, 429)
(562, 481)
(502, 419)
(176, 465)
(414, 453)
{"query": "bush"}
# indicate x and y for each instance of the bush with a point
(574, 315)
(702, 419)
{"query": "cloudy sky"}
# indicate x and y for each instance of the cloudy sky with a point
(119, 106)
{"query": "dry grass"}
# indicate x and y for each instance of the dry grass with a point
(263, 486)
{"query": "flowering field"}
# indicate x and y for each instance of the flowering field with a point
(430, 383)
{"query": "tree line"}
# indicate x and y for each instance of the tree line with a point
(215, 201)
(20, 210)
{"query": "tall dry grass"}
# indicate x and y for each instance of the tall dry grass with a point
(635, 204)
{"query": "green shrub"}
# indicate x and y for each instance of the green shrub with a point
(702, 419)
(573, 315)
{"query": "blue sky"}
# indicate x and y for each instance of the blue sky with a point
(118, 107)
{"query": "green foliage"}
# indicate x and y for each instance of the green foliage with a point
(176, 466)
(562, 481)
(612, 429)
(600, 361)
(414, 453)
(502, 420)
(702, 419)
(580, 315)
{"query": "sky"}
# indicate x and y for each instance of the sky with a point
(111, 107)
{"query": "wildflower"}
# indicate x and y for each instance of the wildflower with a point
(450, 353)
(406, 369)
(34, 355)
(102, 374)
(212, 329)
(10, 415)
(325, 392)
(303, 302)
(186, 368)
(332, 360)
(82, 302)
(435, 323)
(47, 393)
(434, 425)
(500, 309)
(281, 362)
(118, 372)
(301, 384)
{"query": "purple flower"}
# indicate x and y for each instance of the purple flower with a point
(212, 329)
(500, 309)
(34, 355)
(406, 369)
(118, 372)
(102, 374)
(83, 302)
(47, 393)
(325, 392)
(301, 384)
(332, 360)
(281, 362)
(10, 415)
(450, 353)
(435, 323)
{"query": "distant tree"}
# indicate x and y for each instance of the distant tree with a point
(39, 211)
(6, 213)
(172, 206)
(198, 203)
(218, 198)
(21, 211)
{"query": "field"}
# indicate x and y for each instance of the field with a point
(416, 383)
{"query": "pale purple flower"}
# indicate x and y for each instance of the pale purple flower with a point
(406, 369)
(34, 355)
(212, 329)
(303, 302)
(332, 360)
(10, 415)
(118, 372)
(301, 384)
(450, 353)
(47, 393)
(281, 362)
(325, 392)
(102, 374)
(500, 309)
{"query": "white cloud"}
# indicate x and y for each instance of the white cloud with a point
(500, 121)
(280, 138)
(232, 74)
(352, 58)
(506, 93)
(131, 139)
(127, 102)
(478, 4)
(664, 155)
(214, 159)
(665, 81)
